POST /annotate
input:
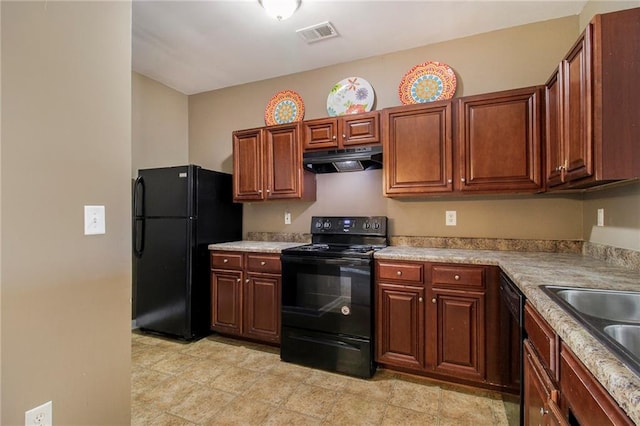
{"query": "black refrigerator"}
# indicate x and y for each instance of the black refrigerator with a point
(177, 213)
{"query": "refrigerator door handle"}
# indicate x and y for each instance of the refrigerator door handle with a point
(138, 238)
(138, 197)
(138, 217)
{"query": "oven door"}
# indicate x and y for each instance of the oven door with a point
(331, 295)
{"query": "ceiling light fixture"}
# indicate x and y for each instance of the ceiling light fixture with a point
(280, 9)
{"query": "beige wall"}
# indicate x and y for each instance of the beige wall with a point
(160, 125)
(499, 60)
(66, 142)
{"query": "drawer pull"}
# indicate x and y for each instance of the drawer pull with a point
(433, 300)
(420, 299)
(399, 273)
(456, 277)
(263, 263)
(225, 260)
(247, 281)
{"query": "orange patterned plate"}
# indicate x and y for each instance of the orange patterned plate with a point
(427, 82)
(284, 107)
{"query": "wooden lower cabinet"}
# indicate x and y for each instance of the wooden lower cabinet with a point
(583, 401)
(457, 326)
(400, 325)
(540, 393)
(432, 319)
(558, 389)
(246, 295)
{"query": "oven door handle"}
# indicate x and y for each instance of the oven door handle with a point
(347, 261)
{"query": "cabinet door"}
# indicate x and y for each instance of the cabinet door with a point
(320, 134)
(553, 130)
(583, 400)
(262, 307)
(283, 162)
(248, 159)
(226, 301)
(539, 393)
(400, 326)
(417, 147)
(361, 129)
(577, 109)
(499, 141)
(456, 343)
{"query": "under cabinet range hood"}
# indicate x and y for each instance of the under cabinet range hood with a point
(344, 160)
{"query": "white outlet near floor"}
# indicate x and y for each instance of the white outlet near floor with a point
(42, 415)
(450, 218)
(600, 217)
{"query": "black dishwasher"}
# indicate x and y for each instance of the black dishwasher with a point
(512, 308)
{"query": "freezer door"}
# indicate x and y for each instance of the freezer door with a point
(163, 299)
(165, 192)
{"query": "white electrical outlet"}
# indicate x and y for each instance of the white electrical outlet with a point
(94, 220)
(287, 217)
(40, 416)
(450, 218)
(600, 217)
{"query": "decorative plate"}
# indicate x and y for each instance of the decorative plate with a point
(427, 82)
(284, 107)
(350, 96)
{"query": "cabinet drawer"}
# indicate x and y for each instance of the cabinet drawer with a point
(263, 263)
(226, 260)
(406, 272)
(543, 339)
(458, 276)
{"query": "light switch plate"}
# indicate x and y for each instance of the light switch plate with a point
(94, 220)
(600, 217)
(450, 218)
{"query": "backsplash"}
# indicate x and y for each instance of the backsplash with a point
(629, 259)
(613, 255)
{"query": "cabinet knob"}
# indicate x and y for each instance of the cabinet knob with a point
(225, 260)
(433, 300)
(449, 180)
(543, 411)
(259, 191)
(237, 280)
(456, 277)
(263, 263)
(247, 281)
(344, 136)
(399, 273)
(463, 180)
(333, 137)
(268, 191)
(420, 299)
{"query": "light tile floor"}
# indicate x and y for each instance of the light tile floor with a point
(223, 381)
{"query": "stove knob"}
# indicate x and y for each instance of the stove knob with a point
(318, 224)
(376, 225)
(367, 225)
(327, 225)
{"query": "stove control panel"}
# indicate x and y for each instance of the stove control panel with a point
(359, 225)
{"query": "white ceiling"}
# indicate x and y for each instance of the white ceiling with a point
(196, 46)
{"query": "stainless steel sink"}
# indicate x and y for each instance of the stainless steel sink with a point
(605, 304)
(627, 335)
(613, 317)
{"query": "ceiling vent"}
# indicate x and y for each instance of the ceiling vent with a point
(321, 31)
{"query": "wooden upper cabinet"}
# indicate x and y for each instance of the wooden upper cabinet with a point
(342, 132)
(417, 146)
(499, 141)
(267, 165)
(553, 130)
(248, 163)
(599, 99)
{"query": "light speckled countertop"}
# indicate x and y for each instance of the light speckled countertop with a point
(532, 270)
(254, 246)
